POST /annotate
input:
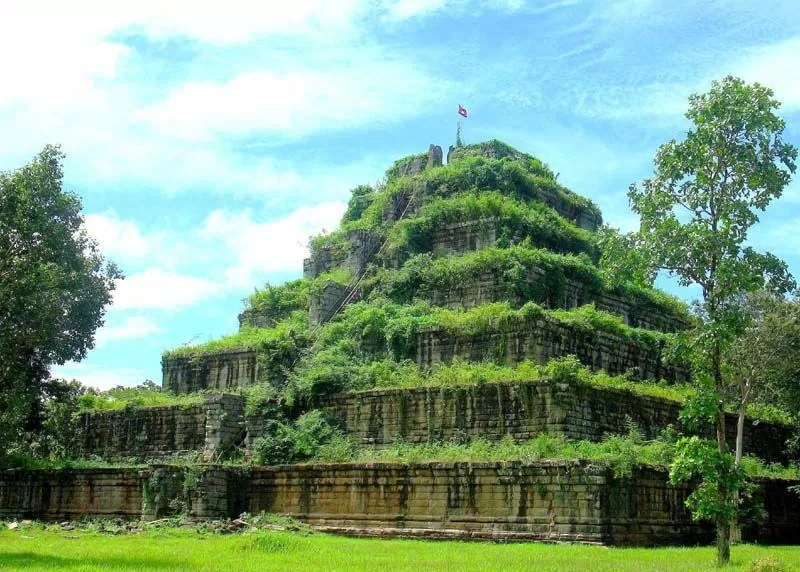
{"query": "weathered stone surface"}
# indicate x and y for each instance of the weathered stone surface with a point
(66, 494)
(509, 501)
(434, 156)
(361, 246)
(141, 433)
(229, 369)
(569, 501)
(493, 287)
(253, 318)
(325, 304)
(544, 339)
(381, 418)
(225, 428)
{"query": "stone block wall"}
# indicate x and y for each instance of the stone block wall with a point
(225, 427)
(223, 370)
(380, 418)
(67, 494)
(323, 306)
(141, 433)
(542, 340)
(361, 245)
(463, 237)
(552, 501)
(214, 429)
(490, 287)
(252, 318)
(567, 501)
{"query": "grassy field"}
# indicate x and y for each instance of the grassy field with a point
(37, 549)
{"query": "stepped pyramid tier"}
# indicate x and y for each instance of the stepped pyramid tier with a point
(486, 258)
(460, 321)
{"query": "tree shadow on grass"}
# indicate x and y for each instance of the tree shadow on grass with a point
(22, 560)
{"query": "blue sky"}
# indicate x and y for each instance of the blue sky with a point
(208, 143)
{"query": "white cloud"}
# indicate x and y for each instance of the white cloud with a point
(119, 238)
(405, 9)
(273, 246)
(775, 66)
(98, 376)
(296, 102)
(131, 327)
(155, 288)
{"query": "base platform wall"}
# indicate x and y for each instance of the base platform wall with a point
(566, 501)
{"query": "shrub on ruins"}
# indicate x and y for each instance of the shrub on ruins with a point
(279, 302)
(361, 197)
(54, 289)
(509, 176)
(514, 175)
(529, 273)
(293, 442)
(278, 347)
(696, 212)
(147, 394)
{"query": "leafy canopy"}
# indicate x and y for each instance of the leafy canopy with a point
(696, 211)
(54, 286)
(706, 191)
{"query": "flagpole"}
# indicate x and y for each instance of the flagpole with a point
(459, 142)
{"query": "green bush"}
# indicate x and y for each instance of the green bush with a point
(287, 442)
(145, 395)
(509, 176)
(278, 302)
(361, 198)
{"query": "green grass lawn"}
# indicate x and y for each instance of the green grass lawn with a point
(37, 549)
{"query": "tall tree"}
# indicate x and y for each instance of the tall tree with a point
(696, 212)
(764, 361)
(54, 287)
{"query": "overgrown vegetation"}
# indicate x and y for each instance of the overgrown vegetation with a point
(527, 273)
(279, 302)
(146, 395)
(619, 453)
(513, 219)
(515, 176)
(368, 331)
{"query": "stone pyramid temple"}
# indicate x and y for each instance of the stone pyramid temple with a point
(463, 300)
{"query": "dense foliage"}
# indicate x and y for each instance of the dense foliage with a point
(696, 213)
(54, 288)
(279, 302)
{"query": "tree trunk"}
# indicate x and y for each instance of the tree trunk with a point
(723, 544)
(736, 527)
(723, 528)
(740, 434)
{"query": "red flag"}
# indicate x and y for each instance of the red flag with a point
(462, 111)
